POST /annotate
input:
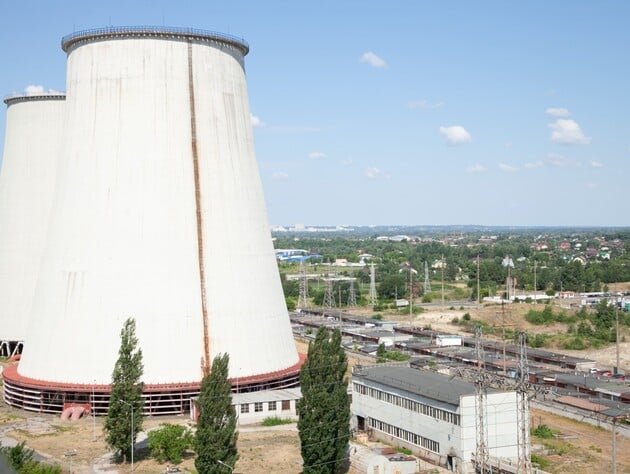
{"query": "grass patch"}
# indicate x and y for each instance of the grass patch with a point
(275, 421)
(540, 461)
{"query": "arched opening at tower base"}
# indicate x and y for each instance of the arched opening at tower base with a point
(159, 399)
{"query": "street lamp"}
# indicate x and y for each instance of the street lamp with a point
(226, 465)
(132, 443)
(71, 454)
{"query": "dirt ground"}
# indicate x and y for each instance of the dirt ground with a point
(585, 450)
(588, 449)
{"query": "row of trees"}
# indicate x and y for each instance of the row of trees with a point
(324, 410)
(534, 270)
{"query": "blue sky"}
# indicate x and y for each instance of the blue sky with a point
(401, 112)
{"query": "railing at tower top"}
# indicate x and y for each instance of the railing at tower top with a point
(68, 40)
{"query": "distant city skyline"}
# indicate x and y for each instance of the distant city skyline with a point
(406, 113)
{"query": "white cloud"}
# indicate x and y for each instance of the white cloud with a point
(597, 164)
(560, 161)
(557, 112)
(476, 168)
(507, 168)
(533, 165)
(317, 155)
(456, 134)
(280, 175)
(373, 173)
(568, 131)
(424, 104)
(591, 185)
(347, 162)
(33, 90)
(256, 122)
(373, 60)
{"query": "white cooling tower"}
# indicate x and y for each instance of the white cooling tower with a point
(159, 215)
(27, 180)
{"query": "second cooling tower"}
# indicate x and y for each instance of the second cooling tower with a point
(159, 215)
(27, 181)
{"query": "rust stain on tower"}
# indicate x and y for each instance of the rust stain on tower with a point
(199, 215)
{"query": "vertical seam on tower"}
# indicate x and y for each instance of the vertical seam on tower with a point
(195, 157)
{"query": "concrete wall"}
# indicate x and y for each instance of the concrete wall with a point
(123, 239)
(27, 182)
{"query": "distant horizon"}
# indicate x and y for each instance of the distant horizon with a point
(489, 226)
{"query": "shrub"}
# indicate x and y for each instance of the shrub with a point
(169, 442)
(455, 320)
(378, 317)
(466, 317)
(427, 299)
(275, 421)
(543, 431)
(406, 451)
(540, 461)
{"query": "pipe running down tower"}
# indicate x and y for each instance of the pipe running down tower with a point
(27, 179)
(159, 215)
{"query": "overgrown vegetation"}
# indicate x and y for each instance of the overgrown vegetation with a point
(21, 459)
(169, 442)
(383, 355)
(543, 431)
(276, 421)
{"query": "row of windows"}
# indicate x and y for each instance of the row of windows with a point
(405, 435)
(408, 404)
(271, 406)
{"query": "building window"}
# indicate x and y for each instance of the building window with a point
(245, 408)
(286, 405)
(258, 406)
(271, 406)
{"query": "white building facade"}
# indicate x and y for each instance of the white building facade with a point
(433, 415)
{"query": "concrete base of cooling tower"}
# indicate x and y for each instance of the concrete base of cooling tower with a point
(159, 399)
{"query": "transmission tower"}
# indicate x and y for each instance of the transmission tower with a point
(373, 297)
(352, 295)
(481, 455)
(329, 295)
(303, 289)
(427, 282)
(522, 394)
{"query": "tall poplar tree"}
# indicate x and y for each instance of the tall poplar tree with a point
(126, 393)
(216, 434)
(324, 409)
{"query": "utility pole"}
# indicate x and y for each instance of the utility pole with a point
(427, 281)
(352, 295)
(373, 296)
(442, 266)
(478, 289)
(329, 296)
(535, 286)
(617, 336)
(303, 287)
(522, 393)
(614, 445)
(481, 454)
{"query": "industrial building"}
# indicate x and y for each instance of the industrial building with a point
(158, 214)
(27, 180)
(433, 415)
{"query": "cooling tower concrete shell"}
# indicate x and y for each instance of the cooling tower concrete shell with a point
(27, 179)
(159, 215)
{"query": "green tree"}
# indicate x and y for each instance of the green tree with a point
(126, 399)
(216, 435)
(324, 409)
(169, 442)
